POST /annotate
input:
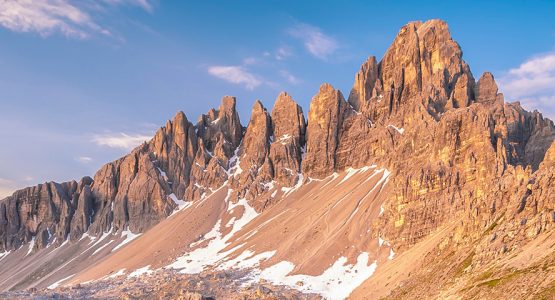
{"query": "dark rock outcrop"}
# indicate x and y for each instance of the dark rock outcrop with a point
(43, 213)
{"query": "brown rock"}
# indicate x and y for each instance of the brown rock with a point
(363, 88)
(174, 147)
(324, 120)
(253, 157)
(486, 89)
(289, 130)
(43, 213)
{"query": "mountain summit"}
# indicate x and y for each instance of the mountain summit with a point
(424, 183)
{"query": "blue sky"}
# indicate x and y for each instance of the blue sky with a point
(82, 82)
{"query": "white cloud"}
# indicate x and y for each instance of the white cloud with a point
(120, 140)
(236, 75)
(46, 17)
(532, 83)
(84, 159)
(289, 77)
(315, 41)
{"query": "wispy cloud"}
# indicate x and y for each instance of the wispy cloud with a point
(532, 83)
(283, 52)
(144, 4)
(236, 75)
(120, 140)
(314, 40)
(289, 77)
(46, 17)
(84, 159)
(250, 60)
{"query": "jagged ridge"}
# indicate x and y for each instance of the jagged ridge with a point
(418, 112)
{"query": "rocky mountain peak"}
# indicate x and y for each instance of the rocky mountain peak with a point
(422, 67)
(289, 129)
(288, 118)
(256, 142)
(254, 162)
(226, 121)
(324, 120)
(486, 89)
(363, 88)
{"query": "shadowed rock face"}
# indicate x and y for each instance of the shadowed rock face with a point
(46, 213)
(289, 130)
(174, 147)
(454, 146)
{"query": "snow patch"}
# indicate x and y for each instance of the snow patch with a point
(246, 260)
(400, 130)
(337, 282)
(141, 271)
(129, 236)
(31, 246)
(288, 190)
(163, 174)
(352, 171)
(102, 247)
(234, 168)
(283, 139)
(57, 283)
(101, 238)
(268, 185)
(118, 273)
(4, 255)
(181, 204)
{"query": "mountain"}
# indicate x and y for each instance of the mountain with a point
(423, 183)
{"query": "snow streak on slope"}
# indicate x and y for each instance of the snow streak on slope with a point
(222, 251)
(198, 259)
(129, 236)
(57, 283)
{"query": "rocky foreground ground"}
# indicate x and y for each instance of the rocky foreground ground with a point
(166, 284)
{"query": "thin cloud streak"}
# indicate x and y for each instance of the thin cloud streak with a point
(236, 75)
(120, 140)
(283, 53)
(290, 77)
(315, 41)
(84, 159)
(144, 4)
